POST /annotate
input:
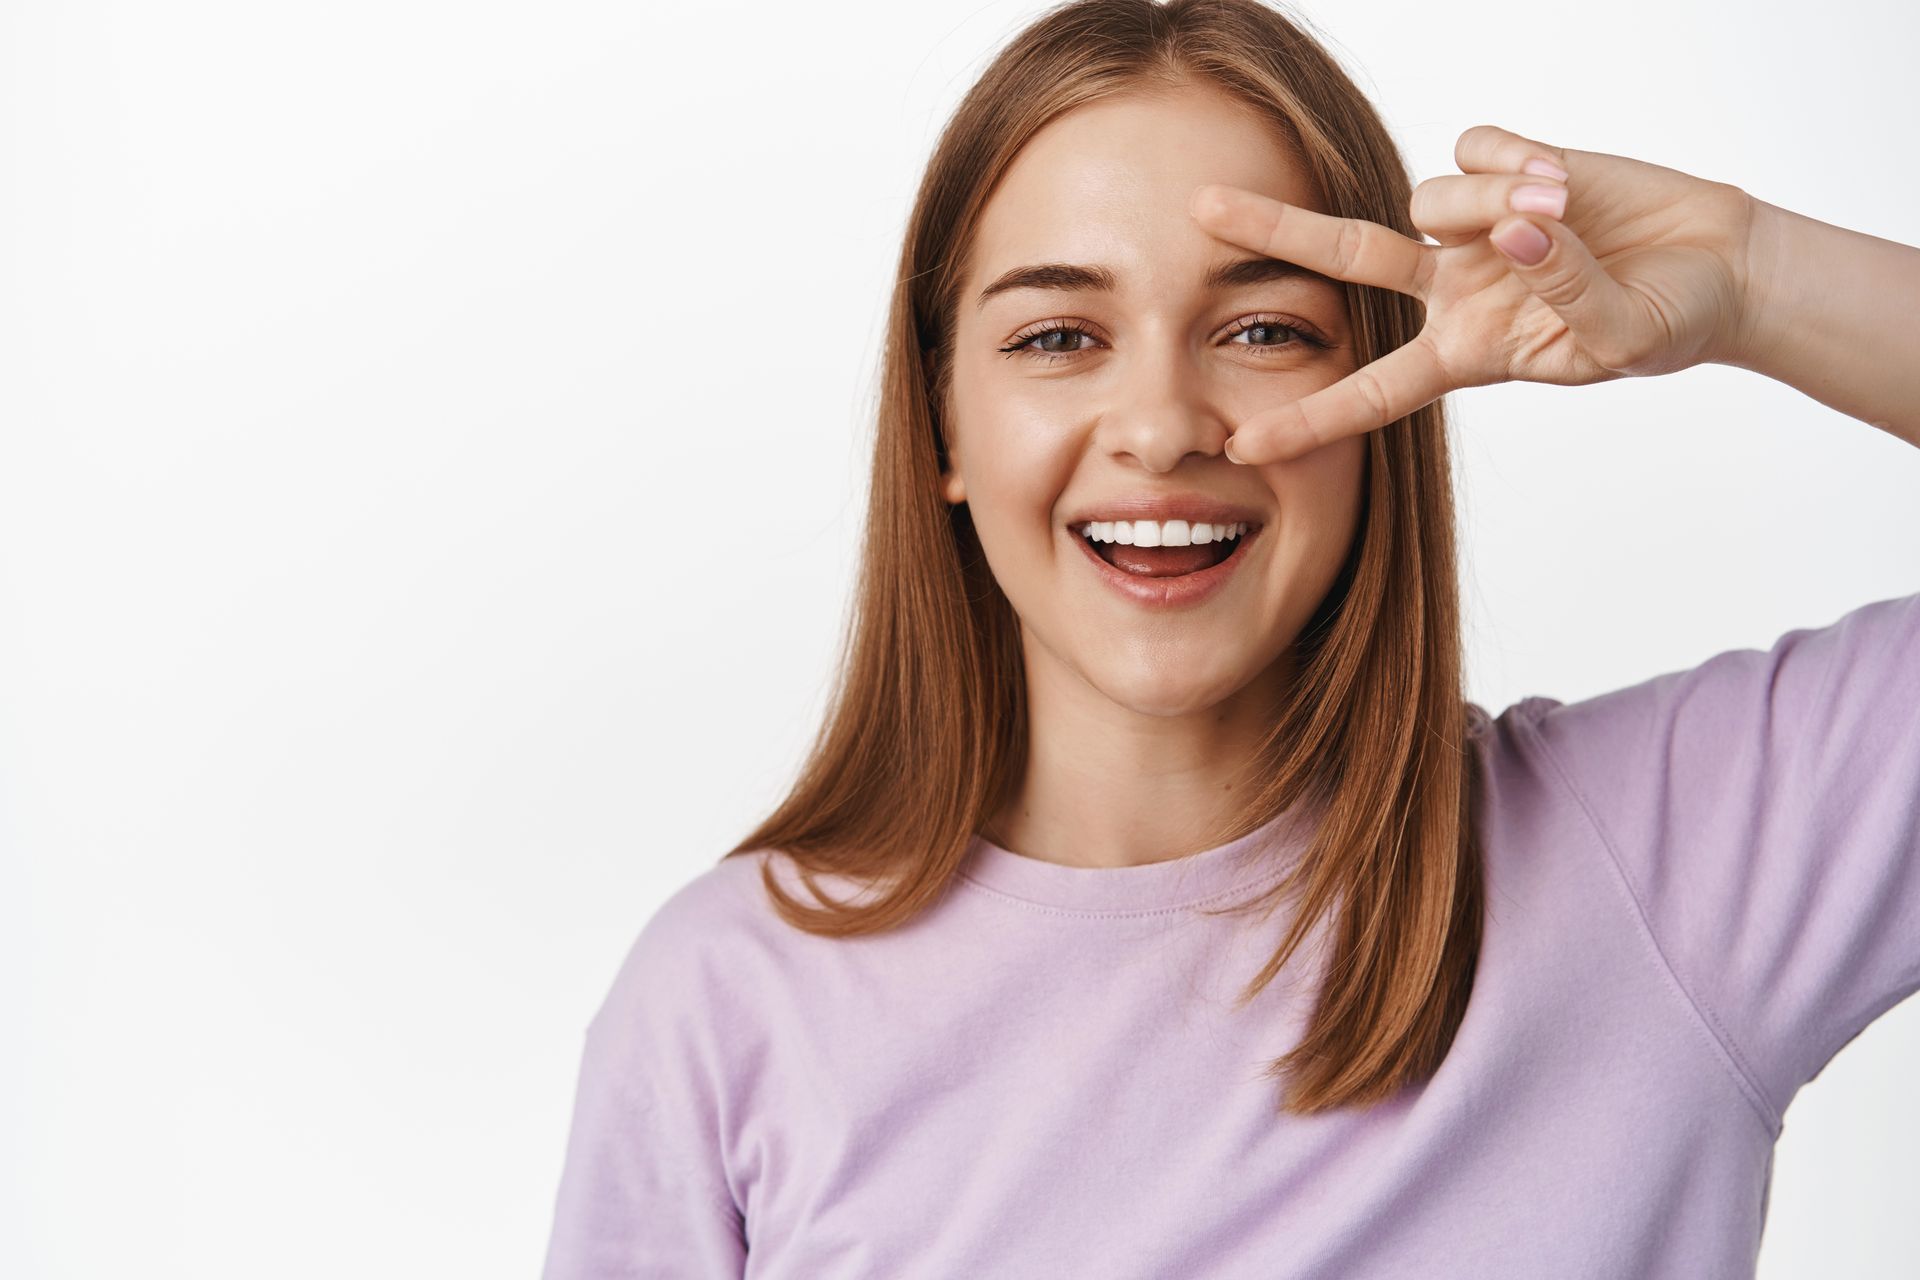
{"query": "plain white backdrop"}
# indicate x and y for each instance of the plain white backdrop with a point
(432, 443)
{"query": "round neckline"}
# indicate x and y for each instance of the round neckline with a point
(1187, 880)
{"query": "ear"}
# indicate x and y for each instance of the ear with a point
(953, 489)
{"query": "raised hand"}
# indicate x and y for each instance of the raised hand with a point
(1645, 272)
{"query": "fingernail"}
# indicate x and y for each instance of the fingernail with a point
(1531, 199)
(1228, 448)
(1525, 243)
(1544, 169)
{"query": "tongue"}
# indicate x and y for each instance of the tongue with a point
(1163, 562)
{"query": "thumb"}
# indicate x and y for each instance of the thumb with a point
(1556, 267)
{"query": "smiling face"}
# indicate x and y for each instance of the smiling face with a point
(1043, 427)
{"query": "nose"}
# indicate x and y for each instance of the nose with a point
(1161, 409)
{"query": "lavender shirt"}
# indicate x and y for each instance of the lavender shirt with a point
(1699, 888)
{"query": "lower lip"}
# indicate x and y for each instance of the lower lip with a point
(1182, 591)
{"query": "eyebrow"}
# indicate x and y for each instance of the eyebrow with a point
(1070, 277)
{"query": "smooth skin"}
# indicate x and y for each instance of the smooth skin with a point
(1138, 719)
(1647, 270)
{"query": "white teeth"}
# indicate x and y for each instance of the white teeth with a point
(1155, 533)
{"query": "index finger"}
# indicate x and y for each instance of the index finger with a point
(1344, 248)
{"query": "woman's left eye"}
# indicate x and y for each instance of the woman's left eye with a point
(1296, 336)
(1302, 336)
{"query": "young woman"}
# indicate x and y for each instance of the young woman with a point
(1153, 903)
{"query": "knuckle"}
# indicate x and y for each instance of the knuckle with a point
(1476, 141)
(1307, 429)
(1373, 394)
(1562, 289)
(1351, 244)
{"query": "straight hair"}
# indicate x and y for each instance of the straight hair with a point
(925, 729)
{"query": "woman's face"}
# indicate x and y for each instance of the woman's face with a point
(1138, 406)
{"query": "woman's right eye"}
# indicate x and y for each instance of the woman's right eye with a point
(1025, 343)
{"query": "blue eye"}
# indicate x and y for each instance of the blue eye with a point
(1298, 336)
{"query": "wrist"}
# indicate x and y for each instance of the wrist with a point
(1762, 274)
(1776, 248)
(1826, 311)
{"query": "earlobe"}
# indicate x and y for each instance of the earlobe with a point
(952, 488)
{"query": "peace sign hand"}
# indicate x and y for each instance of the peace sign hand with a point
(1645, 272)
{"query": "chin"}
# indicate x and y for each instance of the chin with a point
(1150, 691)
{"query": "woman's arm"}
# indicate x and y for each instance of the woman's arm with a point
(1832, 313)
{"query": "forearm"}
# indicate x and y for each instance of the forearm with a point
(1832, 313)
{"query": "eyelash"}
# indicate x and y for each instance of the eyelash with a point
(1021, 344)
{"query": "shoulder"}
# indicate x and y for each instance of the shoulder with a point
(1505, 743)
(723, 897)
(1748, 709)
(679, 957)
(1488, 733)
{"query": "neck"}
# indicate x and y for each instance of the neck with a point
(1107, 785)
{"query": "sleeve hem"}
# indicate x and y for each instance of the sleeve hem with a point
(715, 1192)
(1726, 1047)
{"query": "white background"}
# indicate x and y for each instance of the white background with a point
(432, 440)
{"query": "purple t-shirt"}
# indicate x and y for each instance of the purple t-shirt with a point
(1699, 888)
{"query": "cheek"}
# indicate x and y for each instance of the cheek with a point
(1014, 446)
(1018, 482)
(1340, 470)
(1321, 496)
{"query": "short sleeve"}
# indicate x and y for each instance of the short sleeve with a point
(1764, 808)
(643, 1191)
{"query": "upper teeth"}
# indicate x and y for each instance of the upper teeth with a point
(1160, 533)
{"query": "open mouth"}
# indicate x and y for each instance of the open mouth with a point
(1169, 562)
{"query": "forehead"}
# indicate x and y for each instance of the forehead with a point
(1109, 182)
